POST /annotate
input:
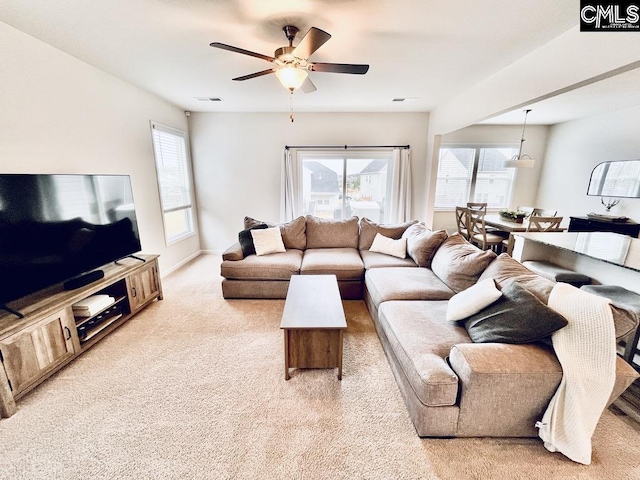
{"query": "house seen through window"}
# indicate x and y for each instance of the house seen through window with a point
(174, 181)
(474, 174)
(341, 186)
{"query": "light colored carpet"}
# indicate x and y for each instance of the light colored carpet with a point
(193, 387)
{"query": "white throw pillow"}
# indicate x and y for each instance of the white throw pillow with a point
(267, 240)
(470, 301)
(389, 246)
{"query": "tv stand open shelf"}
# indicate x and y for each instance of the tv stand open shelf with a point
(48, 337)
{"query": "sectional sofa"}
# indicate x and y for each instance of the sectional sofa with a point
(452, 386)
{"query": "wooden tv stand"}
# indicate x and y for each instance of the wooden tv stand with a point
(48, 337)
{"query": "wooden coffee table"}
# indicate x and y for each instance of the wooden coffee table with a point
(313, 322)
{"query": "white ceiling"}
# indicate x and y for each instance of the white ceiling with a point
(430, 50)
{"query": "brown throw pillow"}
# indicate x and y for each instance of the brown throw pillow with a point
(516, 317)
(422, 243)
(458, 263)
(368, 230)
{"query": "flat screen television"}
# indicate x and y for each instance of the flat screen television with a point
(57, 227)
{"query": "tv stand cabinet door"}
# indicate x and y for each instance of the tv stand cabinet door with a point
(143, 286)
(32, 354)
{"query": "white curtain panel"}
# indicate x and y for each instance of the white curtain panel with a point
(291, 192)
(400, 195)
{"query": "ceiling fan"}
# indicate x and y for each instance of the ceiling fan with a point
(292, 63)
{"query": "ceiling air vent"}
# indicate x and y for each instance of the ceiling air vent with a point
(208, 99)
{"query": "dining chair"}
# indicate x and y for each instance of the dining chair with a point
(477, 206)
(527, 210)
(462, 221)
(544, 224)
(478, 233)
(541, 212)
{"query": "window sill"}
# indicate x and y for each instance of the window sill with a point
(173, 240)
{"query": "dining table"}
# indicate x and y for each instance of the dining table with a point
(504, 224)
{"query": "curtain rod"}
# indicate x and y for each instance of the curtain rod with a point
(345, 147)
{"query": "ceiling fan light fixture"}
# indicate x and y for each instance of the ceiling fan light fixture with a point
(291, 78)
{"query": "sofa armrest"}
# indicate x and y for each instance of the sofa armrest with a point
(234, 252)
(504, 388)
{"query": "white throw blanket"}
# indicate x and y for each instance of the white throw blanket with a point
(586, 349)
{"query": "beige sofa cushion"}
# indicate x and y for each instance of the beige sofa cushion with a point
(459, 264)
(329, 233)
(344, 263)
(400, 283)
(422, 243)
(368, 230)
(421, 339)
(276, 266)
(293, 232)
(380, 260)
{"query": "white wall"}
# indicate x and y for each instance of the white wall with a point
(237, 160)
(574, 148)
(60, 115)
(526, 182)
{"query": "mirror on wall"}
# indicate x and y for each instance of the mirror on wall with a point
(619, 178)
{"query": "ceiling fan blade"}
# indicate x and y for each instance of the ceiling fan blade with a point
(308, 86)
(311, 42)
(339, 68)
(231, 48)
(255, 75)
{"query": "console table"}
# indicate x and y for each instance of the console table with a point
(49, 336)
(590, 224)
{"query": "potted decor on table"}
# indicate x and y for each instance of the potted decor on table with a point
(513, 215)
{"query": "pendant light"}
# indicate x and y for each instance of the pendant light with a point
(520, 160)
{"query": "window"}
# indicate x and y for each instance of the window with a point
(474, 174)
(172, 167)
(340, 186)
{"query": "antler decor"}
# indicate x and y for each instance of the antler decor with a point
(610, 204)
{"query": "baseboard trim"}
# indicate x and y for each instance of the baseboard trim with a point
(212, 252)
(181, 264)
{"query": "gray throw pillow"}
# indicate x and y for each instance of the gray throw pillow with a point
(516, 317)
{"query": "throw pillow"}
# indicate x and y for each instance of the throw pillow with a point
(252, 222)
(505, 270)
(246, 240)
(293, 232)
(368, 230)
(267, 240)
(422, 243)
(517, 317)
(472, 300)
(389, 246)
(459, 264)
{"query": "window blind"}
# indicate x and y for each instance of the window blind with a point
(173, 171)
